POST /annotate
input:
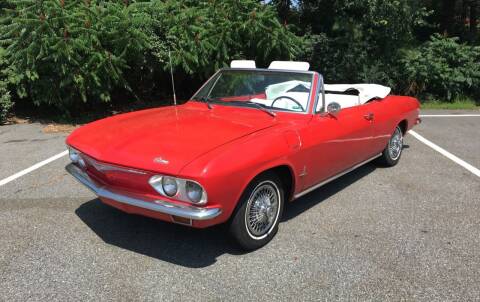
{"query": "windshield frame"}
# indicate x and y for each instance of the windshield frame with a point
(314, 89)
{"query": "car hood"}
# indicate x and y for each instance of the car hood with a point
(166, 139)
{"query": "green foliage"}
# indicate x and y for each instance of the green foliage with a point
(206, 35)
(5, 98)
(443, 68)
(75, 55)
(5, 101)
(462, 103)
(66, 51)
(363, 39)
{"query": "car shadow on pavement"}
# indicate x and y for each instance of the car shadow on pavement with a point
(194, 248)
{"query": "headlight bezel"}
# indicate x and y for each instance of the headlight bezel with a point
(156, 182)
(74, 155)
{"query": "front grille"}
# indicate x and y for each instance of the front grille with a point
(125, 178)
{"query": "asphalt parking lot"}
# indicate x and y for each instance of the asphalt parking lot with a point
(411, 232)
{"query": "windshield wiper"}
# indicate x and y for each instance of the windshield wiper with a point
(257, 105)
(207, 100)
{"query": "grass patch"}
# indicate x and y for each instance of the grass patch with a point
(455, 105)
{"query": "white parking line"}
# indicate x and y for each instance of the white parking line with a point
(32, 168)
(449, 115)
(446, 153)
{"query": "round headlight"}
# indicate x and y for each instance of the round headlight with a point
(169, 186)
(194, 191)
(74, 155)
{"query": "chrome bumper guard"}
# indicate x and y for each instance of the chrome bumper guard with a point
(190, 212)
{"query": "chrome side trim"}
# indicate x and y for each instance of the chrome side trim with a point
(190, 212)
(313, 188)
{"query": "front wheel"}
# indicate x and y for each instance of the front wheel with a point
(255, 221)
(392, 153)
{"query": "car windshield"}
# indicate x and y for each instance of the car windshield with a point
(272, 90)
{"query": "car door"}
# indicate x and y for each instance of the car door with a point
(333, 144)
(382, 123)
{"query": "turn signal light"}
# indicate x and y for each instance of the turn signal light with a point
(182, 220)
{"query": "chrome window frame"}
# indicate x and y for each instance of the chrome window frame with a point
(320, 91)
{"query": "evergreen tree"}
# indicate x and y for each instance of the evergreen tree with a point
(65, 51)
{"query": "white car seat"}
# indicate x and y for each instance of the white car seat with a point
(366, 93)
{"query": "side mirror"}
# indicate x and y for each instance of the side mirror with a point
(333, 109)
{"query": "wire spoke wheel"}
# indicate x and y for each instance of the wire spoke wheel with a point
(395, 145)
(262, 209)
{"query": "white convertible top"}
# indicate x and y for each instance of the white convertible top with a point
(367, 91)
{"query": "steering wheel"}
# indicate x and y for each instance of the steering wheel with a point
(288, 98)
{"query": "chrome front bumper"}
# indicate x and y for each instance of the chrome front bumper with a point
(160, 206)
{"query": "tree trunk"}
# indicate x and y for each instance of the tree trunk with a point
(283, 8)
(448, 16)
(473, 20)
(465, 14)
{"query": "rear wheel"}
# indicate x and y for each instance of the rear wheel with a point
(392, 153)
(255, 221)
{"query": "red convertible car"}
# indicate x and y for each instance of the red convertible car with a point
(249, 141)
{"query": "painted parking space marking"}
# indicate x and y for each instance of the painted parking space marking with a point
(32, 168)
(449, 115)
(445, 153)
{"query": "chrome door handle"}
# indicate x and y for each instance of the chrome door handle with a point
(369, 117)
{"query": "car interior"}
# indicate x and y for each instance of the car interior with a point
(294, 95)
(351, 95)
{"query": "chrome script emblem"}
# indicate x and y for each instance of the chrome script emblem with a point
(160, 160)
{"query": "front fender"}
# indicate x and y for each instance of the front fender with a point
(226, 171)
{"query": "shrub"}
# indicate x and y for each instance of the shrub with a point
(5, 99)
(443, 68)
(67, 53)
(363, 39)
(63, 52)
